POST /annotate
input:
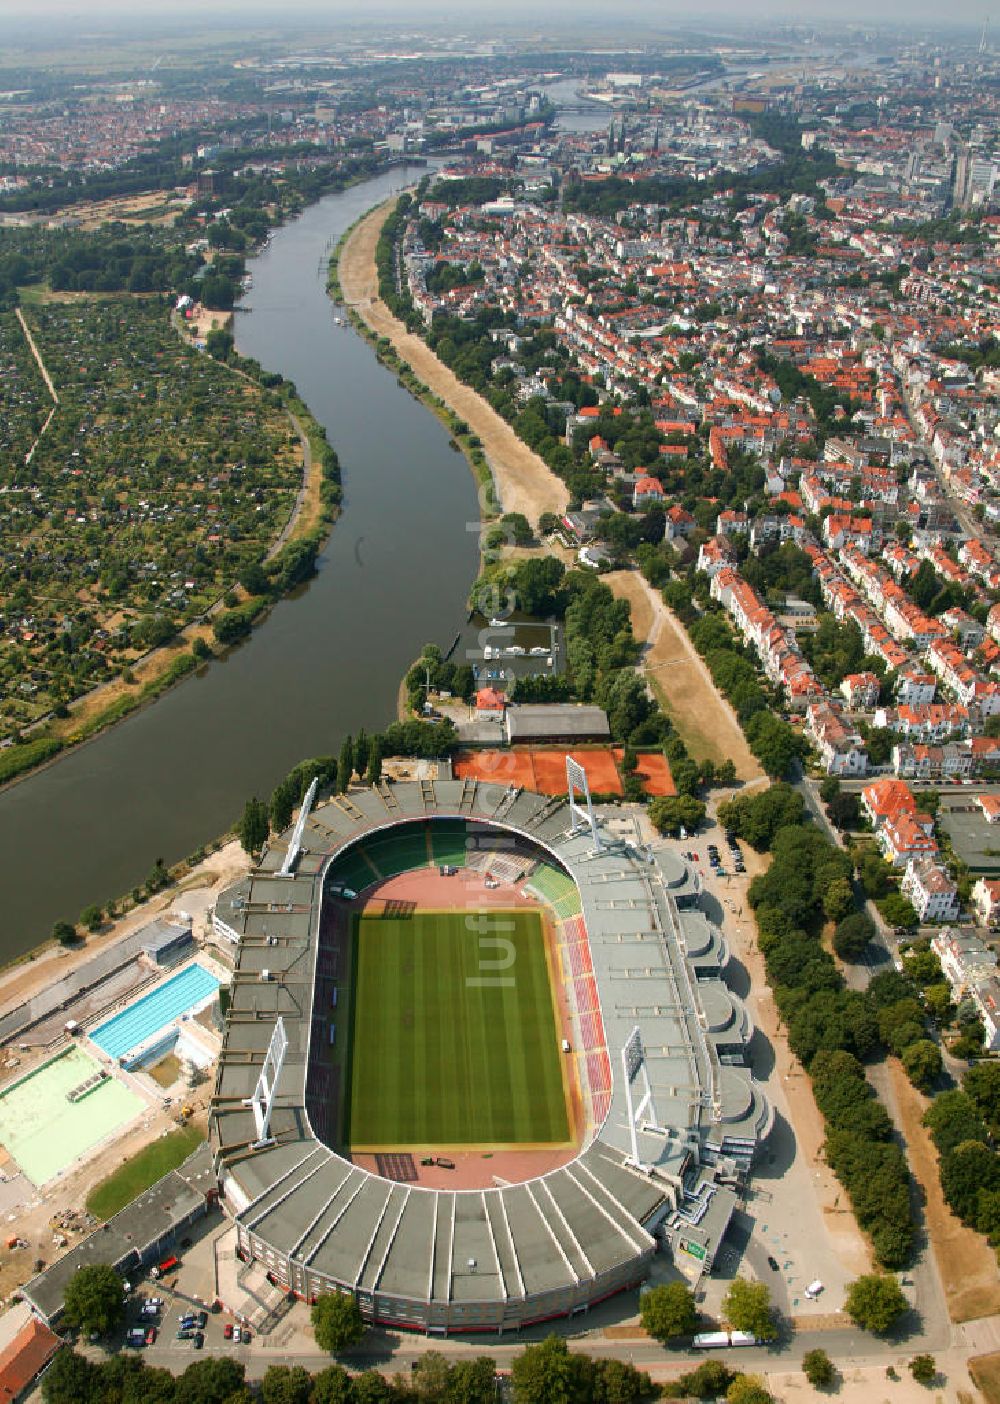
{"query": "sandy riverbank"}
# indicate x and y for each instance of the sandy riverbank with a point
(523, 481)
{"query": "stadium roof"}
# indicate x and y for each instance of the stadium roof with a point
(576, 1227)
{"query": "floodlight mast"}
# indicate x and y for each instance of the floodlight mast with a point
(262, 1101)
(634, 1066)
(583, 817)
(296, 844)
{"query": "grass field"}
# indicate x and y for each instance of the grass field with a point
(439, 1060)
(143, 1170)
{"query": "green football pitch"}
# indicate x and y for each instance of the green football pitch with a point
(447, 1048)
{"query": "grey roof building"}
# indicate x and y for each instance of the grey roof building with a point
(554, 722)
(498, 1257)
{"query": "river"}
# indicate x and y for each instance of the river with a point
(395, 574)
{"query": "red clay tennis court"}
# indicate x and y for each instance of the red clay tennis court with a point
(545, 771)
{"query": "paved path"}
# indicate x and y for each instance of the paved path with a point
(45, 376)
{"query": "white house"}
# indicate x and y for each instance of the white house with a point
(930, 889)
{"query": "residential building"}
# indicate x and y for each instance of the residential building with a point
(930, 889)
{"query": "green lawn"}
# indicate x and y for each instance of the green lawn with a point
(143, 1170)
(439, 1060)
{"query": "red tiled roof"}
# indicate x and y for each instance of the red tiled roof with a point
(30, 1350)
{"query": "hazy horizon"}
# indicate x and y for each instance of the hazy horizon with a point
(558, 13)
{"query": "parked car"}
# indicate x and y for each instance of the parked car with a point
(237, 1335)
(199, 1339)
(202, 1319)
(227, 1331)
(186, 1333)
(247, 1338)
(136, 1337)
(150, 1335)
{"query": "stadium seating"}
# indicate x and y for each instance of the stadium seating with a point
(552, 886)
(399, 852)
(354, 871)
(449, 843)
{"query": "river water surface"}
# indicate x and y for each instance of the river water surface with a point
(394, 575)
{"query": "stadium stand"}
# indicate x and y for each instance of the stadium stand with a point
(552, 886)
(450, 844)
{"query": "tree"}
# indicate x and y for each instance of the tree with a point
(672, 813)
(818, 1368)
(966, 1172)
(923, 1368)
(845, 811)
(345, 766)
(838, 899)
(852, 935)
(212, 1381)
(430, 1376)
(253, 828)
(897, 911)
(284, 798)
(922, 1062)
(952, 1118)
(829, 788)
(286, 1384)
(708, 1380)
(748, 1389)
(725, 772)
(616, 1382)
(668, 1311)
(71, 1379)
(331, 1386)
(374, 761)
(982, 1085)
(747, 1306)
(875, 1301)
(370, 1388)
(548, 1374)
(361, 748)
(336, 1322)
(95, 1299)
(64, 932)
(472, 1381)
(91, 917)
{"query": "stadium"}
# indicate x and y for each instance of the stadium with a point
(480, 1063)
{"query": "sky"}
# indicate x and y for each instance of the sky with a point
(655, 12)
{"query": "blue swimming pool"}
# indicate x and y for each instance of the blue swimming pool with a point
(155, 1011)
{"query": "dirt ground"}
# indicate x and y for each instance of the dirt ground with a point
(985, 1371)
(870, 1385)
(703, 717)
(203, 321)
(966, 1262)
(524, 482)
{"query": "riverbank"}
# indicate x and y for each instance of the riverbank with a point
(523, 481)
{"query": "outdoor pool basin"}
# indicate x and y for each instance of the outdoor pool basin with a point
(190, 988)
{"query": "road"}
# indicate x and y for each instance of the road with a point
(383, 1350)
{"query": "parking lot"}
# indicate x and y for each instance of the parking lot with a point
(796, 1225)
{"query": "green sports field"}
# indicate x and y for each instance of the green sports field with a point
(439, 1060)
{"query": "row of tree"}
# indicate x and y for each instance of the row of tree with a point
(359, 758)
(964, 1124)
(808, 882)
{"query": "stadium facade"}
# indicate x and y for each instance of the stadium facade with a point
(673, 1115)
